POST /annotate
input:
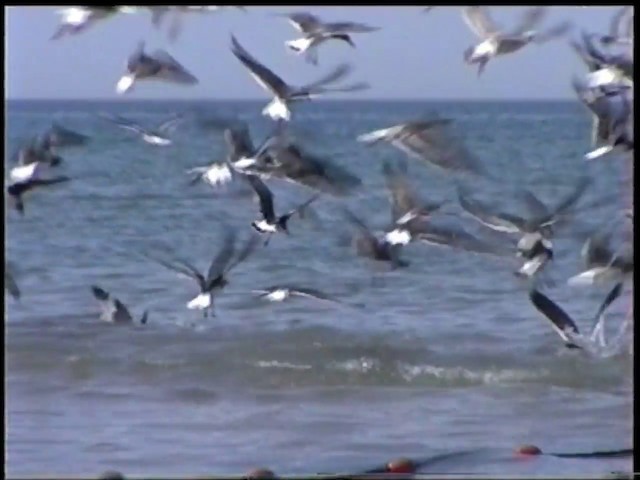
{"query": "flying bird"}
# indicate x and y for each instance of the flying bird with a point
(612, 118)
(620, 28)
(369, 246)
(30, 181)
(561, 322)
(315, 32)
(270, 223)
(159, 136)
(280, 293)
(158, 65)
(536, 228)
(430, 141)
(405, 206)
(78, 19)
(217, 275)
(113, 310)
(602, 263)
(497, 42)
(284, 94)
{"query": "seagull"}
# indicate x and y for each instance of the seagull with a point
(429, 141)
(17, 188)
(10, 284)
(37, 150)
(156, 66)
(270, 223)
(602, 263)
(317, 32)
(216, 278)
(562, 323)
(405, 206)
(113, 310)
(620, 63)
(158, 136)
(612, 118)
(77, 19)
(285, 94)
(534, 245)
(496, 42)
(288, 161)
(242, 156)
(367, 245)
(159, 13)
(280, 293)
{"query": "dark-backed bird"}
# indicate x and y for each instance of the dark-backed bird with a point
(270, 223)
(18, 188)
(497, 42)
(602, 263)
(284, 94)
(431, 141)
(316, 32)
(217, 275)
(369, 246)
(561, 322)
(113, 310)
(158, 65)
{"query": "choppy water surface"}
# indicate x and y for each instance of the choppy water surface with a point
(444, 356)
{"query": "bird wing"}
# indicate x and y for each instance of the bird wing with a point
(123, 123)
(333, 76)
(265, 196)
(169, 125)
(224, 256)
(402, 198)
(312, 293)
(572, 198)
(501, 223)
(366, 242)
(10, 283)
(301, 208)
(171, 69)
(182, 267)
(249, 247)
(348, 27)
(455, 238)
(560, 320)
(480, 22)
(261, 74)
(615, 27)
(531, 17)
(304, 22)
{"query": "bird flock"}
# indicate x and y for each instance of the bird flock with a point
(606, 90)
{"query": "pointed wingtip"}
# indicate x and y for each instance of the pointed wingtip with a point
(99, 293)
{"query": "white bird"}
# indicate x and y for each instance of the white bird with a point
(602, 263)
(159, 136)
(280, 293)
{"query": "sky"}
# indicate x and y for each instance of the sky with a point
(414, 55)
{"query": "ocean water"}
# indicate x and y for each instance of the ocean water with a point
(446, 356)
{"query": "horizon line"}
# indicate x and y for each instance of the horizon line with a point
(210, 99)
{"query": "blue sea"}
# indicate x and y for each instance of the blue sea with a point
(446, 356)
